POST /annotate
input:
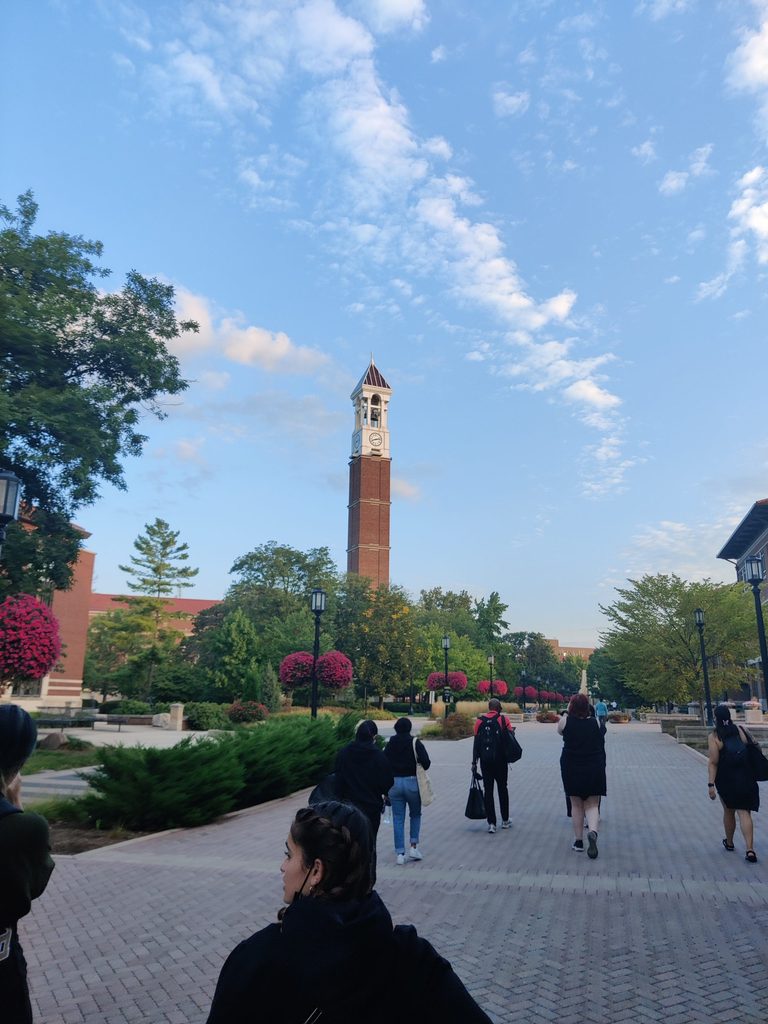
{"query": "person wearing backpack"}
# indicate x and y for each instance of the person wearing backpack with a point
(489, 750)
(732, 779)
(25, 861)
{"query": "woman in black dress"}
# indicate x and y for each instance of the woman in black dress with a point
(733, 779)
(582, 766)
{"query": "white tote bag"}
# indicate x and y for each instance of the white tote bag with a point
(425, 786)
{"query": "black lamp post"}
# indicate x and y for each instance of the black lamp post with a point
(491, 663)
(446, 642)
(754, 574)
(538, 691)
(522, 686)
(317, 604)
(699, 618)
(10, 493)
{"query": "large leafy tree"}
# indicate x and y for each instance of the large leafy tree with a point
(78, 367)
(653, 639)
(489, 615)
(158, 568)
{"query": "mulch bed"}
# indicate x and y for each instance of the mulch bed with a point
(71, 839)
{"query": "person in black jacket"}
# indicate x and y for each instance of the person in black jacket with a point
(488, 748)
(324, 960)
(364, 778)
(402, 752)
(25, 861)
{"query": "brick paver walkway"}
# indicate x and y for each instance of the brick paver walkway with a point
(664, 926)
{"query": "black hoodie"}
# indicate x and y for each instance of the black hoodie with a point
(327, 962)
(363, 776)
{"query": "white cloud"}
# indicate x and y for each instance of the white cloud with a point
(403, 489)
(391, 15)
(506, 104)
(674, 279)
(750, 210)
(713, 289)
(698, 234)
(700, 160)
(587, 392)
(658, 9)
(439, 147)
(673, 182)
(749, 62)
(326, 40)
(215, 381)
(439, 54)
(240, 342)
(645, 152)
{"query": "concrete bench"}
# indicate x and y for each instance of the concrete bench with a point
(63, 722)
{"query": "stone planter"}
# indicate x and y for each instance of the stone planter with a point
(753, 716)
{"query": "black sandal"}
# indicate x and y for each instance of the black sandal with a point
(729, 846)
(751, 856)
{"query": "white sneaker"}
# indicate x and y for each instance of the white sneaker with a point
(491, 829)
(506, 824)
(416, 854)
(401, 858)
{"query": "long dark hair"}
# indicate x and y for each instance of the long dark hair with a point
(338, 835)
(18, 734)
(724, 727)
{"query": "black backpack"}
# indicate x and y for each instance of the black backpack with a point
(489, 736)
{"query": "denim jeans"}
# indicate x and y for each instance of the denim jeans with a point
(405, 791)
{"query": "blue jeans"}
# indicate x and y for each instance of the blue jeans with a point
(405, 791)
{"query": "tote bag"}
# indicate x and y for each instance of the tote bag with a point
(425, 786)
(475, 809)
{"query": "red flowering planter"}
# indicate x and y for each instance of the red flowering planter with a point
(457, 681)
(29, 639)
(500, 688)
(334, 670)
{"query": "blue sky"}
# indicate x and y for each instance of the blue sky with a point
(547, 220)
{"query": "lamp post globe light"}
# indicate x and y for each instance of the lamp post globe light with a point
(491, 664)
(10, 494)
(317, 604)
(446, 642)
(754, 574)
(698, 616)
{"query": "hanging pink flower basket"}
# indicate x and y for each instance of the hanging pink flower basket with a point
(29, 639)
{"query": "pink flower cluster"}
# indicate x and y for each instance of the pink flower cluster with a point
(247, 711)
(29, 639)
(334, 670)
(500, 688)
(457, 681)
(531, 693)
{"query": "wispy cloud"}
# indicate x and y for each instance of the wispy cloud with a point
(510, 104)
(392, 15)
(675, 182)
(659, 9)
(645, 152)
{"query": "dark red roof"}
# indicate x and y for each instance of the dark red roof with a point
(754, 523)
(373, 378)
(187, 605)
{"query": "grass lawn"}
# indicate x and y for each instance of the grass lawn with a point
(56, 760)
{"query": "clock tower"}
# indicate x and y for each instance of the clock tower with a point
(369, 466)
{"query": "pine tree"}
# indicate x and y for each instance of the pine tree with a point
(271, 694)
(157, 570)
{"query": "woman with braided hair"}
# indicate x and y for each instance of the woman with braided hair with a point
(323, 962)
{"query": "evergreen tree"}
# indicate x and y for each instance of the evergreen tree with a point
(157, 569)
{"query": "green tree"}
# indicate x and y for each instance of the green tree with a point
(115, 640)
(157, 570)
(490, 622)
(606, 671)
(282, 568)
(653, 639)
(383, 640)
(78, 366)
(271, 693)
(236, 648)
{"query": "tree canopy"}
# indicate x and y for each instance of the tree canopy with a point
(78, 368)
(157, 568)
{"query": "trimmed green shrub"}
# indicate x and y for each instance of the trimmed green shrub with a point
(145, 789)
(282, 756)
(458, 726)
(247, 711)
(205, 715)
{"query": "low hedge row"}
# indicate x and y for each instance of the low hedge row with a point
(145, 789)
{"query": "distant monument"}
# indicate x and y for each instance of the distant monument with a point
(369, 480)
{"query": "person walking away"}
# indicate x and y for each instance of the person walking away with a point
(732, 779)
(601, 713)
(25, 861)
(323, 960)
(364, 778)
(582, 767)
(488, 749)
(402, 752)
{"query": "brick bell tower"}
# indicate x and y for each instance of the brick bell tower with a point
(369, 466)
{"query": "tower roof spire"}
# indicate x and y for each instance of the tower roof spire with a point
(373, 378)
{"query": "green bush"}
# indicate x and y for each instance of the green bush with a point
(458, 726)
(282, 756)
(146, 789)
(205, 715)
(70, 810)
(109, 707)
(75, 743)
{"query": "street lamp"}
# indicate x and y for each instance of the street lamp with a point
(10, 492)
(538, 690)
(491, 663)
(522, 686)
(754, 574)
(699, 618)
(317, 604)
(446, 642)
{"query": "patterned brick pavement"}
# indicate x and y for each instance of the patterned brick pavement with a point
(664, 926)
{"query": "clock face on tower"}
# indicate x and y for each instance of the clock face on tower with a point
(375, 440)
